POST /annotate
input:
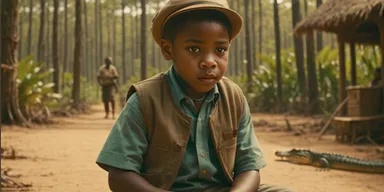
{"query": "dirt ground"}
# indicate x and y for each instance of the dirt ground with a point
(61, 157)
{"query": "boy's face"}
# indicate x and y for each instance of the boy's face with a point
(199, 53)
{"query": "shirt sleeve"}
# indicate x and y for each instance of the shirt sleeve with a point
(127, 142)
(249, 155)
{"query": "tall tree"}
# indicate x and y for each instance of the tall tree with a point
(319, 35)
(77, 57)
(137, 48)
(10, 109)
(299, 50)
(87, 63)
(278, 55)
(29, 50)
(55, 47)
(48, 49)
(143, 40)
(253, 36)
(248, 46)
(100, 13)
(133, 42)
(114, 36)
(260, 29)
(123, 63)
(65, 60)
(20, 33)
(96, 42)
(313, 106)
(40, 49)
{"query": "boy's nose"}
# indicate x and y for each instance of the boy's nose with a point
(209, 63)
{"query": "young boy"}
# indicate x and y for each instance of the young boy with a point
(188, 129)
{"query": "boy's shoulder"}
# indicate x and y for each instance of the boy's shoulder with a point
(230, 84)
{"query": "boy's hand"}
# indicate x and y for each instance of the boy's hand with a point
(125, 181)
(247, 181)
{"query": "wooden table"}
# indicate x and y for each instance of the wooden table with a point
(351, 127)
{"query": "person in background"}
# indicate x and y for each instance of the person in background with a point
(107, 78)
(376, 78)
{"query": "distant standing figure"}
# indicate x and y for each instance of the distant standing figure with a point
(107, 77)
(377, 78)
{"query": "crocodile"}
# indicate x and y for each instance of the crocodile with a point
(326, 161)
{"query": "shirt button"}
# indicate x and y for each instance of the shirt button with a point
(177, 147)
(204, 171)
(203, 155)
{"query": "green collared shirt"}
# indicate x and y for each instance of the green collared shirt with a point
(200, 168)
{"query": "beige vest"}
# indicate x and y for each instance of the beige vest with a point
(168, 128)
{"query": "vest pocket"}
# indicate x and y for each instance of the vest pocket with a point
(156, 160)
(228, 153)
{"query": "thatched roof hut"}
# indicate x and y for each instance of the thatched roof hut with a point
(355, 19)
(354, 22)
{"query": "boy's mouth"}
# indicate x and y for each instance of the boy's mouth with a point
(208, 79)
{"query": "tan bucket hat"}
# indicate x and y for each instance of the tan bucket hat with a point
(174, 7)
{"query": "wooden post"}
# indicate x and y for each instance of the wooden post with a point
(380, 23)
(342, 92)
(353, 63)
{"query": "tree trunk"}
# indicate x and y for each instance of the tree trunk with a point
(20, 35)
(29, 48)
(77, 58)
(313, 94)
(260, 29)
(109, 33)
(10, 109)
(278, 56)
(312, 76)
(48, 49)
(100, 30)
(248, 46)
(114, 40)
(40, 50)
(123, 42)
(65, 56)
(133, 42)
(253, 36)
(137, 48)
(96, 42)
(319, 35)
(299, 50)
(143, 47)
(55, 47)
(87, 64)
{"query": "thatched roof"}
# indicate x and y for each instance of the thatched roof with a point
(354, 19)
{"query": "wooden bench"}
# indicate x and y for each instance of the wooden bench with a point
(354, 129)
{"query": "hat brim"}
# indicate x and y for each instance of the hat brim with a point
(234, 18)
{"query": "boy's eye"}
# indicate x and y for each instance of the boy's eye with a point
(194, 49)
(221, 50)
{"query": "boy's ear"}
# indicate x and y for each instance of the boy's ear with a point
(166, 49)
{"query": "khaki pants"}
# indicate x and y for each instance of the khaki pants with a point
(262, 188)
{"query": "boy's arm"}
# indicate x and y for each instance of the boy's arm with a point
(125, 181)
(249, 156)
(123, 152)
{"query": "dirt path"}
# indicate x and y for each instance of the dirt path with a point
(61, 157)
